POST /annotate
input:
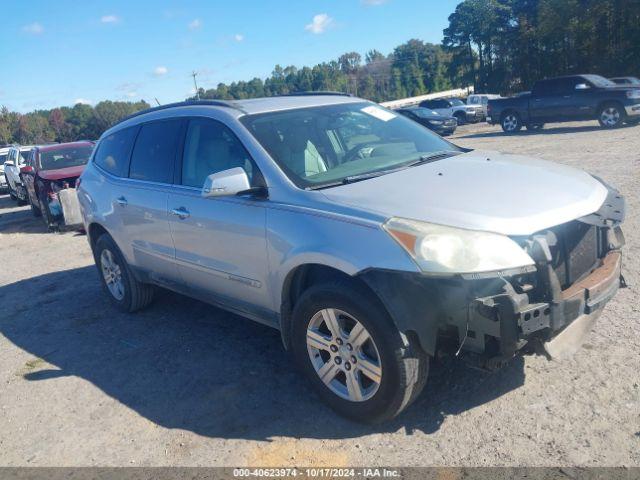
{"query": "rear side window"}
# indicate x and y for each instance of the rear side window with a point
(114, 151)
(155, 151)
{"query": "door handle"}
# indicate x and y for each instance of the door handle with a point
(181, 213)
(121, 201)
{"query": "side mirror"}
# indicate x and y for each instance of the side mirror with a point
(26, 169)
(226, 183)
(582, 86)
(9, 163)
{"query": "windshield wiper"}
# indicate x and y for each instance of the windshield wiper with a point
(432, 157)
(355, 178)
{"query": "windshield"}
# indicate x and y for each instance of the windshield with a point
(3, 158)
(456, 102)
(599, 81)
(323, 146)
(65, 157)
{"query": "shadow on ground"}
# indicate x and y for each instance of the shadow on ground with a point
(184, 364)
(16, 218)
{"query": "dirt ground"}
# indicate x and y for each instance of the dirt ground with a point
(183, 383)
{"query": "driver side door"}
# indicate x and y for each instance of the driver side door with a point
(220, 242)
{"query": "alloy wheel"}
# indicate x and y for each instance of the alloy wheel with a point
(510, 123)
(112, 274)
(610, 116)
(344, 355)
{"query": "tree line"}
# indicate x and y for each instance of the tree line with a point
(498, 46)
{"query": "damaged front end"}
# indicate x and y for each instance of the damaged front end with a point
(551, 307)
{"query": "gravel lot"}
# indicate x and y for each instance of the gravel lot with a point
(183, 383)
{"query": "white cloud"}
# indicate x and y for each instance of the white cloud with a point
(110, 19)
(319, 24)
(83, 101)
(33, 28)
(238, 37)
(195, 24)
(373, 2)
(160, 71)
(132, 94)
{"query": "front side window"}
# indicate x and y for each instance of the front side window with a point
(65, 157)
(114, 151)
(155, 151)
(210, 147)
(323, 146)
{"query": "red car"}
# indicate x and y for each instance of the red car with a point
(50, 177)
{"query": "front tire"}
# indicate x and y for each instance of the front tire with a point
(511, 122)
(118, 281)
(12, 194)
(611, 115)
(34, 210)
(352, 353)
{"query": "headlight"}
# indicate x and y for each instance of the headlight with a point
(470, 110)
(436, 122)
(446, 250)
(633, 93)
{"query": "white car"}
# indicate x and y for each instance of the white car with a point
(482, 100)
(454, 107)
(16, 158)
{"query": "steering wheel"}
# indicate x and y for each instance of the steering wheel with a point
(356, 152)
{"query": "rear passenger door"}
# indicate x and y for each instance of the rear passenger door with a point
(220, 242)
(141, 200)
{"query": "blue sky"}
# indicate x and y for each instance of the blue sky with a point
(62, 52)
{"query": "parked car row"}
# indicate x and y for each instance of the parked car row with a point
(569, 98)
(370, 242)
(45, 177)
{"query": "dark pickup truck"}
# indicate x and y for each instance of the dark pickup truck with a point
(566, 99)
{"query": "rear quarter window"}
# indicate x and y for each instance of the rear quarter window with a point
(114, 151)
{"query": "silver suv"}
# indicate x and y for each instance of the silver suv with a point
(367, 240)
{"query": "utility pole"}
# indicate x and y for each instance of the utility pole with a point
(194, 74)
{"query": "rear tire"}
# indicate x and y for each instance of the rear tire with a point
(369, 381)
(611, 115)
(118, 281)
(460, 117)
(511, 122)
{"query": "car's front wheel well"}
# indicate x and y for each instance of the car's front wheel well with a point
(607, 103)
(95, 231)
(301, 279)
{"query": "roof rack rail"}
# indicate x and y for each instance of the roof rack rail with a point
(313, 93)
(186, 103)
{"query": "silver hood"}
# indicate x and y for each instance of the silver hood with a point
(489, 191)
